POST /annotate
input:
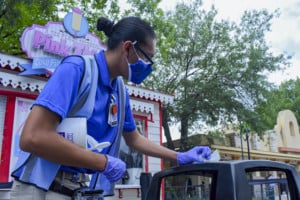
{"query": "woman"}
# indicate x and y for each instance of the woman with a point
(59, 166)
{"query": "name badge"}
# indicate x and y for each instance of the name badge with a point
(112, 112)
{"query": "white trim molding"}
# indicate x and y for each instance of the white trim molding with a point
(17, 81)
(12, 61)
(141, 106)
(149, 94)
(14, 80)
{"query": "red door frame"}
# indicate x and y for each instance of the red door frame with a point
(8, 130)
(144, 118)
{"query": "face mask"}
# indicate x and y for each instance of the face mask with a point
(139, 71)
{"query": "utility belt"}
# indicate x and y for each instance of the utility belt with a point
(75, 186)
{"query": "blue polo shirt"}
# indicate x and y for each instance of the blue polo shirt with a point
(60, 91)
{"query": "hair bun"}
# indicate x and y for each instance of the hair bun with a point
(105, 25)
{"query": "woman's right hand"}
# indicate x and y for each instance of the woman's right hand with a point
(114, 169)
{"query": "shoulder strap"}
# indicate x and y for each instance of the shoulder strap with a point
(87, 89)
(122, 102)
(99, 181)
(115, 148)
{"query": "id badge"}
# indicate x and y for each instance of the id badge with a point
(112, 112)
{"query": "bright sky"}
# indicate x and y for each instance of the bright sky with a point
(284, 35)
(285, 30)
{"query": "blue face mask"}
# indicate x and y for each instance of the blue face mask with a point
(139, 71)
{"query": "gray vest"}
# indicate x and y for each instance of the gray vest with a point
(40, 172)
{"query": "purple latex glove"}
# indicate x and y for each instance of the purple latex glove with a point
(115, 169)
(197, 154)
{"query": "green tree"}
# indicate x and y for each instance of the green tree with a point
(164, 28)
(16, 15)
(286, 96)
(93, 10)
(216, 69)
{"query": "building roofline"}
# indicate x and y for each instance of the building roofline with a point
(13, 64)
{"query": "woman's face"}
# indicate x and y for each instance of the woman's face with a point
(140, 51)
(145, 52)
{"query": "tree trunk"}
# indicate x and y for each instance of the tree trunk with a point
(165, 120)
(184, 133)
(170, 143)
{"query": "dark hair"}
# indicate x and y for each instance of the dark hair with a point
(128, 28)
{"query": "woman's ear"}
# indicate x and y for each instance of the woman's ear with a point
(126, 47)
(127, 44)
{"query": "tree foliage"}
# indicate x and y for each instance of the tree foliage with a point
(216, 69)
(16, 15)
(286, 96)
(93, 10)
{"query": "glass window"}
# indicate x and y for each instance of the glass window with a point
(132, 158)
(190, 186)
(268, 185)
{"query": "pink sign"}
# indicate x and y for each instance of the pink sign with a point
(52, 40)
(48, 44)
